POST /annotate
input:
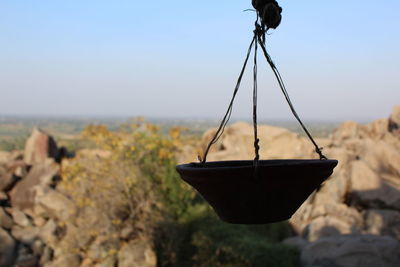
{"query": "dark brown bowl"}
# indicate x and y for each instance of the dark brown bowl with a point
(273, 193)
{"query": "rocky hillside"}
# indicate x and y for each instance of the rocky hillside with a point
(40, 224)
(354, 220)
(55, 211)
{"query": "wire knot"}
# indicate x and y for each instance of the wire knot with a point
(258, 31)
(257, 149)
(257, 144)
(319, 151)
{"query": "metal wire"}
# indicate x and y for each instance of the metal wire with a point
(258, 39)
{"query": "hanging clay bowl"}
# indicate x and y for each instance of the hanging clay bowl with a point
(273, 193)
(259, 191)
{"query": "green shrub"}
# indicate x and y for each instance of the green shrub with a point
(206, 241)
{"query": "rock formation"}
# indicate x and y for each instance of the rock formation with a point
(39, 147)
(354, 220)
(35, 214)
(237, 143)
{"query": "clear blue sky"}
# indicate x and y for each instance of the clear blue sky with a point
(340, 59)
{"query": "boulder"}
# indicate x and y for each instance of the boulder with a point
(351, 251)
(48, 233)
(25, 235)
(327, 227)
(19, 217)
(39, 147)
(6, 221)
(23, 195)
(383, 222)
(340, 211)
(137, 253)
(368, 190)
(7, 249)
(349, 131)
(237, 143)
(378, 129)
(383, 158)
(55, 204)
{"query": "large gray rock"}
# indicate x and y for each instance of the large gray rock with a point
(7, 249)
(23, 195)
(137, 254)
(352, 251)
(39, 146)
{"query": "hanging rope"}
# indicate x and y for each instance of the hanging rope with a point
(228, 113)
(255, 96)
(278, 76)
(271, 17)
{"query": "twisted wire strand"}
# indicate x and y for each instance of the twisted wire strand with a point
(278, 76)
(228, 113)
(255, 96)
(258, 39)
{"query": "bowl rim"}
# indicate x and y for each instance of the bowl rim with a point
(241, 164)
